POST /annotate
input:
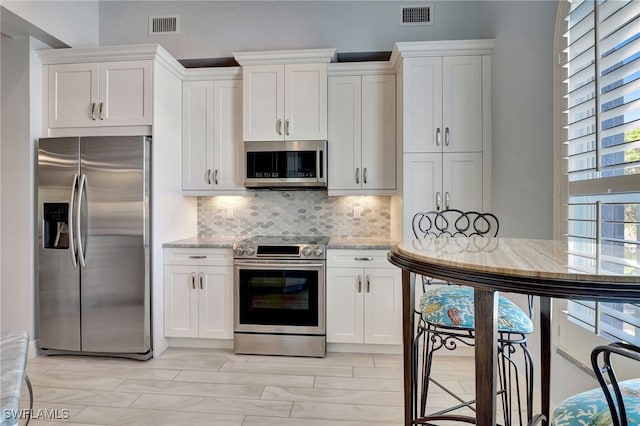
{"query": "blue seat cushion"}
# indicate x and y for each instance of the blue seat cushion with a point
(590, 407)
(452, 306)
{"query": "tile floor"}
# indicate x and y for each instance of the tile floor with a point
(217, 387)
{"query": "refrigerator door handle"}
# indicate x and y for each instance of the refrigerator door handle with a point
(72, 247)
(83, 181)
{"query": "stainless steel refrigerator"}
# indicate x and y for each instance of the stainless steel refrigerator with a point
(93, 238)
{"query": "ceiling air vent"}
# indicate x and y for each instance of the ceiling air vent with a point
(168, 24)
(416, 15)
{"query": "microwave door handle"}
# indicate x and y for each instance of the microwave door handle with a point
(72, 247)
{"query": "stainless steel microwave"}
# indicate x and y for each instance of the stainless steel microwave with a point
(285, 164)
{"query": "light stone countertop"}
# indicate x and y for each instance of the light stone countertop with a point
(226, 241)
(221, 241)
(519, 257)
(360, 243)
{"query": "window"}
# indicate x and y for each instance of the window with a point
(601, 137)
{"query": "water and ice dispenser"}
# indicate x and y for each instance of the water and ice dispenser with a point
(55, 225)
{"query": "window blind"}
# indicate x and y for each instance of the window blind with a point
(602, 116)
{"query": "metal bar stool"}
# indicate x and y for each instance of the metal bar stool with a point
(446, 319)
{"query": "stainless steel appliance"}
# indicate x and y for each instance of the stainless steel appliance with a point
(280, 296)
(286, 164)
(93, 245)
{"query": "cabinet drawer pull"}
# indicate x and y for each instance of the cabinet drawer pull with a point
(193, 280)
(363, 258)
(197, 257)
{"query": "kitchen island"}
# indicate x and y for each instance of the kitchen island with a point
(541, 268)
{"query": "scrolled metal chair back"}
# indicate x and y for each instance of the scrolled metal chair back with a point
(454, 222)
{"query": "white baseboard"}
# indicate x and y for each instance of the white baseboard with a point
(361, 348)
(181, 342)
(33, 350)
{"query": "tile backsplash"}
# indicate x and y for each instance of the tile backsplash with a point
(294, 213)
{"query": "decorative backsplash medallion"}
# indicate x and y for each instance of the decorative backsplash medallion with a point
(294, 213)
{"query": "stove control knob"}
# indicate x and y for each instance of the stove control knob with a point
(250, 250)
(239, 251)
(317, 251)
(306, 251)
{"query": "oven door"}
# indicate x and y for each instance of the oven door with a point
(285, 297)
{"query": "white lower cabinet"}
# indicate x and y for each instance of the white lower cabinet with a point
(198, 293)
(364, 298)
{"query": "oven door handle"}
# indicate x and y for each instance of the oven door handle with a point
(279, 265)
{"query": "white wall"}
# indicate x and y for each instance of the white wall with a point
(522, 111)
(21, 106)
(72, 22)
(214, 29)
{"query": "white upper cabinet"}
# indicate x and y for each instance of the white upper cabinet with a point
(228, 149)
(443, 109)
(263, 99)
(462, 103)
(362, 142)
(197, 135)
(285, 102)
(211, 137)
(305, 108)
(100, 94)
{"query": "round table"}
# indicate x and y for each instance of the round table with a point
(543, 268)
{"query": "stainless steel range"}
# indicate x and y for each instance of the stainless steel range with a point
(280, 296)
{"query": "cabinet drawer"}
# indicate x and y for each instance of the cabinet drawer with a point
(358, 259)
(198, 256)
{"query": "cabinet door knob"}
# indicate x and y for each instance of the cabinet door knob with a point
(93, 111)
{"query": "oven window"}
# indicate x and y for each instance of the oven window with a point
(281, 164)
(278, 297)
